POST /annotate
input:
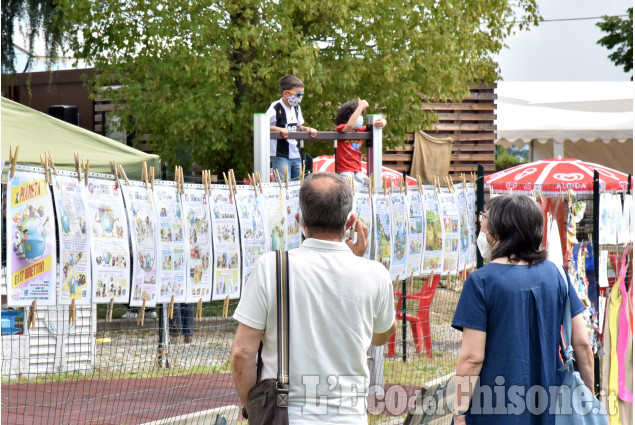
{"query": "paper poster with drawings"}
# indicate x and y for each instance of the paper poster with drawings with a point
(172, 246)
(74, 239)
(199, 233)
(416, 232)
(400, 244)
(464, 230)
(627, 224)
(273, 201)
(226, 240)
(383, 229)
(363, 208)
(294, 236)
(31, 252)
(143, 231)
(252, 228)
(471, 222)
(451, 231)
(608, 233)
(433, 247)
(109, 246)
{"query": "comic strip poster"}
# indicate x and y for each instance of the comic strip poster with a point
(450, 216)
(464, 230)
(143, 230)
(416, 232)
(273, 201)
(172, 245)
(294, 236)
(363, 209)
(607, 221)
(110, 250)
(433, 252)
(199, 231)
(383, 228)
(74, 239)
(31, 254)
(399, 242)
(471, 222)
(252, 228)
(226, 240)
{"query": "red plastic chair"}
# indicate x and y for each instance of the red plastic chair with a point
(420, 324)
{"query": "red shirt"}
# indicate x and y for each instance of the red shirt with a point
(348, 156)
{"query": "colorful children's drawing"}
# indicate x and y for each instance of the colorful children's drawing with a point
(31, 256)
(110, 250)
(292, 195)
(142, 218)
(433, 252)
(464, 230)
(363, 208)
(252, 228)
(399, 243)
(199, 229)
(383, 229)
(74, 239)
(172, 245)
(471, 222)
(451, 231)
(416, 232)
(226, 240)
(273, 201)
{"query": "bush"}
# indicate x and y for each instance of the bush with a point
(505, 160)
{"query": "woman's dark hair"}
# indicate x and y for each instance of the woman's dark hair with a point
(345, 112)
(517, 222)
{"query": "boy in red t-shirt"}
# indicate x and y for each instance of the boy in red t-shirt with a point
(348, 156)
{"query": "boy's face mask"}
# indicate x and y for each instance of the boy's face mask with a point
(294, 98)
(360, 122)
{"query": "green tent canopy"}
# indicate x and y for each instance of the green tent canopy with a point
(36, 133)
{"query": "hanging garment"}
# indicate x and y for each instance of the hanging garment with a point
(431, 157)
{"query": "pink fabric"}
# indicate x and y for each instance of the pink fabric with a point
(622, 335)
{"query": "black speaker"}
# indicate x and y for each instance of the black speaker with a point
(68, 113)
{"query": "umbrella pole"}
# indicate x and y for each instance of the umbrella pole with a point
(596, 258)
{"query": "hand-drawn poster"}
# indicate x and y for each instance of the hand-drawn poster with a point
(433, 252)
(383, 228)
(110, 250)
(620, 233)
(199, 226)
(471, 222)
(464, 230)
(30, 240)
(450, 231)
(607, 221)
(273, 201)
(363, 208)
(627, 224)
(400, 246)
(142, 224)
(416, 232)
(226, 240)
(252, 228)
(74, 239)
(294, 236)
(172, 245)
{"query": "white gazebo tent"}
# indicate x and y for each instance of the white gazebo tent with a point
(590, 121)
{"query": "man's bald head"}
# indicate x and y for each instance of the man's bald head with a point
(325, 201)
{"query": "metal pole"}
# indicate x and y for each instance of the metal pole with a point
(628, 189)
(261, 145)
(375, 149)
(404, 322)
(480, 202)
(596, 258)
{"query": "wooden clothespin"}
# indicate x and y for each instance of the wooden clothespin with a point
(13, 157)
(77, 168)
(86, 170)
(405, 186)
(171, 308)
(383, 180)
(113, 170)
(152, 178)
(226, 307)
(51, 163)
(286, 177)
(252, 180)
(277, 176)
(464, 182)
(199, 309)
(45, 165)
(176, 179)
(420, 185)
(302, 172)
(225, 178)
(260, 182)
(32, 315)
(144, 175)
(142, 313)
(123, 174)
(109, 310)
(182, 177)
(71, 313)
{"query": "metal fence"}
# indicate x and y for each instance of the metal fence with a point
(122, 372)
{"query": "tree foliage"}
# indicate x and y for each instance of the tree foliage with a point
(191, 73)
(619, 35)
(32, 18)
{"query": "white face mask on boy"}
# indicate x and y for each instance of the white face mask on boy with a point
(483, 245)
(294, 100)
(359, 123)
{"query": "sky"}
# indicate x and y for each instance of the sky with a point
(553, 51)
(563, 51)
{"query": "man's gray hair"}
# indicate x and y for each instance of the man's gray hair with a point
(325, 201)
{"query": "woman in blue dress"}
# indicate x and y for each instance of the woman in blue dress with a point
(510, 313)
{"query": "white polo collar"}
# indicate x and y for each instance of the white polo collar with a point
(322, 245)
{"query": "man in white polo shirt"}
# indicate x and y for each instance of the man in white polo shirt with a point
(339, 304)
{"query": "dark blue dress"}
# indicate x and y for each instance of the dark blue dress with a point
(520, 308)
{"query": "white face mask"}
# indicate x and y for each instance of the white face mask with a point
(483, 245)
(359, 123)
(294, 100)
